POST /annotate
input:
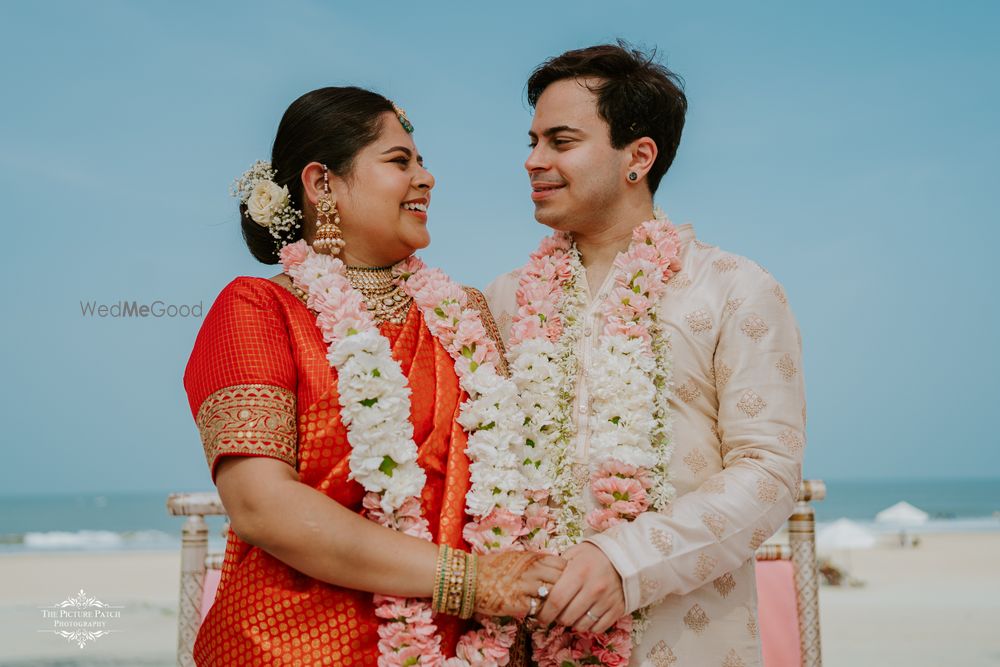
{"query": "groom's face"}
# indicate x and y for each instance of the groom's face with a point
(576, 175)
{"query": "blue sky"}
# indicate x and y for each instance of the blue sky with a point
(846, 147)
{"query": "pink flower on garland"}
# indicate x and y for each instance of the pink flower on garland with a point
(497, 531)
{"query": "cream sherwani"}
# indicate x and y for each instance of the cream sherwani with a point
(739, 418)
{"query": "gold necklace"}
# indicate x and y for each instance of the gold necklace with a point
(386, 300)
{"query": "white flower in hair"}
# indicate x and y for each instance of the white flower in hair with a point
(265, 200)
(268, 204)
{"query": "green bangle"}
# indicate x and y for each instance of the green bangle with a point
(438, 600)
(469, 594)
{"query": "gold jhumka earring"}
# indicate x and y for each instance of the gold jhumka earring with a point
(328, 238)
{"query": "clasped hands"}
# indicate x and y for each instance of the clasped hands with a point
(584, 591)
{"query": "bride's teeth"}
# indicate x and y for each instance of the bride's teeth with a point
(415, 207)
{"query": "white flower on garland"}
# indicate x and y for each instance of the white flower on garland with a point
(375, 409)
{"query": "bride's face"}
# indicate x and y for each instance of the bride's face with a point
(383, 205)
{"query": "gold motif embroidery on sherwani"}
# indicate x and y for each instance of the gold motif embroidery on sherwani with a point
(715, 522)
(714, 484)
(733, 660)
(648, 588)
(706, 565)
(699, 321)
(758, 538)
(679, 282)
(725, 584)
(696, 619)
(767, 491)
(688, 391)
(786, 366)
(751, 403)
(661, 655)
(791, 440)
(695, 461)
(722, 374)
(662, 540)
(754, 327)
(724, 264)
(250, 419)
(752, 624)
(779, 294)
(701, 245)
(732, 305)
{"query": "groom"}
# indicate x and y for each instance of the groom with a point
(606, 127)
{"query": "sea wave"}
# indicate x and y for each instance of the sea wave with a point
(89, 540)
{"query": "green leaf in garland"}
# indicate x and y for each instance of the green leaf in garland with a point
(388, 465)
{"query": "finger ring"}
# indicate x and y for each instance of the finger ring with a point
(591, 616)
(534, 606)
(543, 591)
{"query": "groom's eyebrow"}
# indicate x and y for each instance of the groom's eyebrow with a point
(548, 133)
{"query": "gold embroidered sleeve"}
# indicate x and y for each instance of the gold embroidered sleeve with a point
(248, 420)
(478, 301)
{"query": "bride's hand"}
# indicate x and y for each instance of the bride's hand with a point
(509, 580)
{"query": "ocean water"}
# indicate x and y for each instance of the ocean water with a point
(93, 522)
(116, 522)
(943, 500)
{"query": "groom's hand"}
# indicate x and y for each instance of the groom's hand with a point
(589, 583)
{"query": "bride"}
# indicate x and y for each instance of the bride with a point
(336, 404)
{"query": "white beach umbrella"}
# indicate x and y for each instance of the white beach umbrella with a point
(902, 514)
(844, 534)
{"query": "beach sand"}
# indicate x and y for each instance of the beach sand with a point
(935, 605)
(145, 583)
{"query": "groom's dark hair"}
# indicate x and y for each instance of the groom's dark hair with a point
(636, 96)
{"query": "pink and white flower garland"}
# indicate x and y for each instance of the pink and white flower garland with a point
(375, 408)
(629, 421)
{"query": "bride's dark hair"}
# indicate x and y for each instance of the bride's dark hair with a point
(328, 125)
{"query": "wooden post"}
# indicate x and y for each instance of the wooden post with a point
(194, 548)
(802, 540)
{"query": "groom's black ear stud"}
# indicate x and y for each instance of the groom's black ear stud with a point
(632, 176)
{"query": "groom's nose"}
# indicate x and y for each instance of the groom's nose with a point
(536, 160)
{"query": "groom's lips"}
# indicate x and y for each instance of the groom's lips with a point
(540, 190)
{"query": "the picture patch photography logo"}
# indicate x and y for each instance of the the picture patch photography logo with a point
(82, 618)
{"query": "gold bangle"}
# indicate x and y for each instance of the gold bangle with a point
(456, 582)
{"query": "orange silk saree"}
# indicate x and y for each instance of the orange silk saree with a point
(259, 384)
